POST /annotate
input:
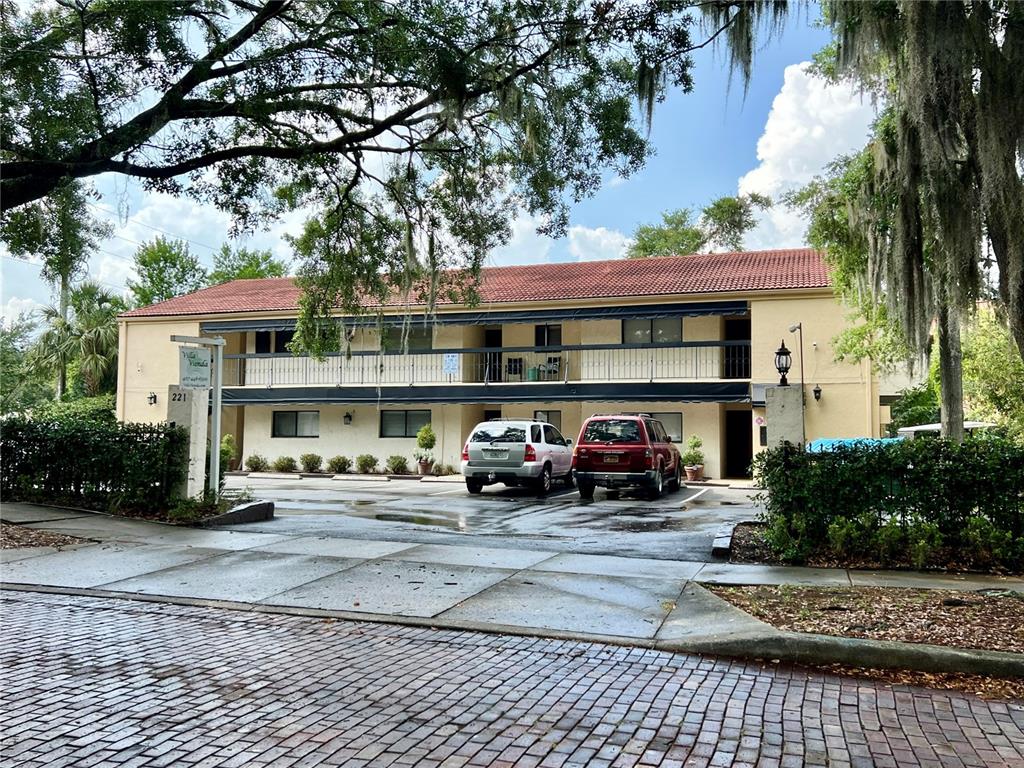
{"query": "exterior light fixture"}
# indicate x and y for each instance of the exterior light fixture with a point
(152, 398)
(783, 361)
(347, 418)
(817, 392)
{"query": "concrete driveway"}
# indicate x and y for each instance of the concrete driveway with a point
(678, 526)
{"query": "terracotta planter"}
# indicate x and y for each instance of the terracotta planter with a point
(695, 473)
(426, 467)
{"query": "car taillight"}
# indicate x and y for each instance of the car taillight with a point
(531, 454)
(649, 458)
(465, 452)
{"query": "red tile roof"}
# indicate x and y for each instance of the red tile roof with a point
(618, 278)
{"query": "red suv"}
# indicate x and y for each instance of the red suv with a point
(625, 450)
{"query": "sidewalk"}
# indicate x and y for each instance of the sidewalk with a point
(657, 603)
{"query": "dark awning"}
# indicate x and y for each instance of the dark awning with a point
(682, 392)
(486, 317)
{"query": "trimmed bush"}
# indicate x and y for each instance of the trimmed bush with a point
(257, 463)
(99, 408)
(285, 464)
(925, 502)
(311, 462)
(366, 463)
(397, 465)
(339, 465)
(92, 463)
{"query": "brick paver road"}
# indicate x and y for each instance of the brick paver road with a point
(105, 682)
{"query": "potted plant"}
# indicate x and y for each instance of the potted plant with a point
(425, 441)
(693, 459)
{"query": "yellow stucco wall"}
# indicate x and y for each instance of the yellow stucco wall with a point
(148, 363)
(849, 401)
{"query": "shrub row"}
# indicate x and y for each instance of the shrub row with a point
(919, 502)
(92, 463)
(337, 465)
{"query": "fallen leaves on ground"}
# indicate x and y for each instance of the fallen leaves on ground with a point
(989, 620)
(16, 536)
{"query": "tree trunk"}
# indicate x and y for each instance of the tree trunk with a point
(64, 300)
(951, 377)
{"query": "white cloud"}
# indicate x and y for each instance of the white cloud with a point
(595, 244)
(16, 306)
(811, 123)
(615, 181)
(525, 247)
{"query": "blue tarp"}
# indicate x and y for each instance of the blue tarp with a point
(827, 444)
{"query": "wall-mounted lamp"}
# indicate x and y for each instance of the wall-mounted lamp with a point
(347, 419)
(817, 392)
(152, 398)
(783, 361)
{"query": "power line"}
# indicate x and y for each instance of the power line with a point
(149, 226)
(39, 265)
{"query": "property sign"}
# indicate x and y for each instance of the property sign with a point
(193, 368)
(451, 363)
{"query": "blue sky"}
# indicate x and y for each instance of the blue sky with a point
(711, 142)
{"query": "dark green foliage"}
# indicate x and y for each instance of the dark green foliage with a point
(243, 264)
(339, 465)
(366, 463)
(927, 502)
(397, 465)
(87, 409)
(257, 463)
(166, 269)
(311, 462)
(21, 386)
(285, 464)
(93, 463)
(917, 405)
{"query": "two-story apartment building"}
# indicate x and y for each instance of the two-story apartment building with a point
(691, 339)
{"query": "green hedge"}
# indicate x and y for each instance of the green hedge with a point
(924, 502)
(93, 464)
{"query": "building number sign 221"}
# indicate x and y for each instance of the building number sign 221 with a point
(179, 397)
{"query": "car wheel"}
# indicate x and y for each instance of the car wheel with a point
(544, 481)
(655, 489)
(474, 486)
(586, 490)
(569, 480)
(677, 478)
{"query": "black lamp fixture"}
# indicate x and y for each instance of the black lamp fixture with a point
(817, 392)
(347, 418)
(152, 398)
(783, 361)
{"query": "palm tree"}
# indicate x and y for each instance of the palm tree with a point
(89, 335)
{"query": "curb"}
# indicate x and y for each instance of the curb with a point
(799, 648)
(789, 647)
(250, 512)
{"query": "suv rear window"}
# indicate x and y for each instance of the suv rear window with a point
(613, 431)
(499, 433)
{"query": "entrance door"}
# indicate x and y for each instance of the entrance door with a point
(737, 359)
(492, 360)
(739, 443)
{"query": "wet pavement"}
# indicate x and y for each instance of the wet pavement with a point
(678, 526)
(91, 682)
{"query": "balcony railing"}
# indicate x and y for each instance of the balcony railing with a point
(685, 361)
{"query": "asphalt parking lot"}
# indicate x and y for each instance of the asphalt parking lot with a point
(679, 525)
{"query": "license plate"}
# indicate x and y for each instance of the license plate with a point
(496, 454)
(611, 459)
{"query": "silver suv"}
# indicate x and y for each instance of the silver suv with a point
(516, 452)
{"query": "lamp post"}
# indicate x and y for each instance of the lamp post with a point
(783, 361)
(799, 328)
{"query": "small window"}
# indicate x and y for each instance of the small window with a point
(262, 342)
(535, 433)
(763, 435)
(552, 436)
(419, 338)
(296, 424)
(663, 330)
(498, 432)
(547, 335)
(402, 423)
(554, 418)
(281, 341)
(673, 424)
